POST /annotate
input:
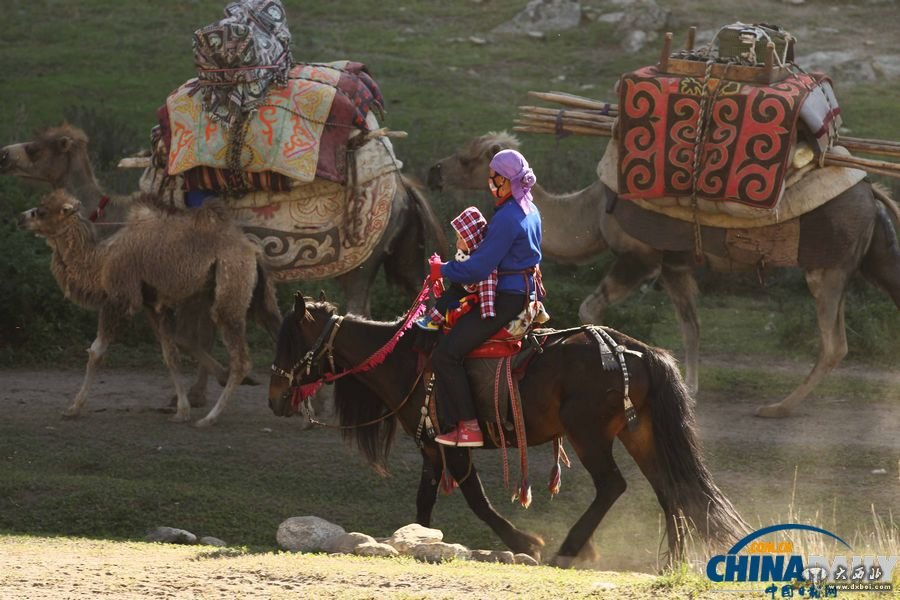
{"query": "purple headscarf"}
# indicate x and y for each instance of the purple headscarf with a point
(512, 165)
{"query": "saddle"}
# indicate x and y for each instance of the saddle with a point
(494, 372)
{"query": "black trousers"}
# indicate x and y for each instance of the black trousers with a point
(451, 382)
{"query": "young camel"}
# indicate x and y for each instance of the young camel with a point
(159, 260)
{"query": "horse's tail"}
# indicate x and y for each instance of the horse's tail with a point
(687, 484)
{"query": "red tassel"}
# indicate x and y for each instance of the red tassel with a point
(523, 494)
(307, 390)
(448, 484)
(555, 480)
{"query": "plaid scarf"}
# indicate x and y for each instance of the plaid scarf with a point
(471, 226)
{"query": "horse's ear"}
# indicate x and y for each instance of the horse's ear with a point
(322, 297)
(299, 305)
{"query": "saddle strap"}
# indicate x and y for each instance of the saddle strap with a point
(607, 346)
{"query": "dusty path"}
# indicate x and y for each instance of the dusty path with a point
(840, 457)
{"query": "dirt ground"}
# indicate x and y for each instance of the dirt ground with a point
(848, 453)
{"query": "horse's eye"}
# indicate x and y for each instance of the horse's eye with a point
(41, 212)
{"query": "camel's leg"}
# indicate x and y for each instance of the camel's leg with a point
(109, 324)
(460, 466)
(234, 338)
(679, 283)
(828, 287)
(163, 324)
(627, 272)
(594, 449)
(432, 470)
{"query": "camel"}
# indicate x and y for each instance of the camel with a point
(158, 260)
(850, 233)
(59, 156)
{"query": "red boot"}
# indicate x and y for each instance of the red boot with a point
(466, 435)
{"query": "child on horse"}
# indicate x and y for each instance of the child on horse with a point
(512, 248)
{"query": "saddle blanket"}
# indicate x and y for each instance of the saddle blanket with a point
(806, 189)
(300, 131)
(748, 131)
(316, 230)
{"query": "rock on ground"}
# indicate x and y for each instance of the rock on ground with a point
(412, 535)
(306, 534)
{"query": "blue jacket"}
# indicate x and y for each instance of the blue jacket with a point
(512, 243)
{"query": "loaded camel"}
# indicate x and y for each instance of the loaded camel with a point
(59, 157)
(850, 233)
(158, 260)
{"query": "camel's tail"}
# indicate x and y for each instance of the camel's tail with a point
(264, 304)
(430, 237)
(881, 264)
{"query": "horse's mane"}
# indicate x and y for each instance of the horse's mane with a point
(356, 403)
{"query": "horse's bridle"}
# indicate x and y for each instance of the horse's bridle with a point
(321, 348)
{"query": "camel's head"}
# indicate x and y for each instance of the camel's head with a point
(48, 157)
(56, 212)
(468, 168)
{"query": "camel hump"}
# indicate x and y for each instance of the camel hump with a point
(147, 206)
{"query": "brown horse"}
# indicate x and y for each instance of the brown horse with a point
(558, 399)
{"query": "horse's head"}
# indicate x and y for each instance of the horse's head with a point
(302, 351)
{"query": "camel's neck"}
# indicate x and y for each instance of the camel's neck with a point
(571, 223)
(76, 264)
(79, 181)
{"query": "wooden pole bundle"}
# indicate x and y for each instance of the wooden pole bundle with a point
(584, 116)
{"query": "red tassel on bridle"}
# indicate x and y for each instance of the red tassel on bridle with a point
(306, 390)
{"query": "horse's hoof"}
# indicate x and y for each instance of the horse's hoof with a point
(203, 423)
(179, 418)
(70, 413)
(562, 562)
(772, 411)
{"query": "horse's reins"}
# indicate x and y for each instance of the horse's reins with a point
(323, 347)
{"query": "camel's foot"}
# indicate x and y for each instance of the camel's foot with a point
(773, 411)
(73, 412)
(180, 418)
(204, 423)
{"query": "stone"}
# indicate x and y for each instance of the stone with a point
(171, 535)
(375, 549)
(544, 15)
(208, 540)
(525, 559)
(347, 543)
(498, 556)
(438, 552)
(306, 534)
(412, 535)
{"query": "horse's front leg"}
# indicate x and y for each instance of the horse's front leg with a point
(460, 465)
(432, 470)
